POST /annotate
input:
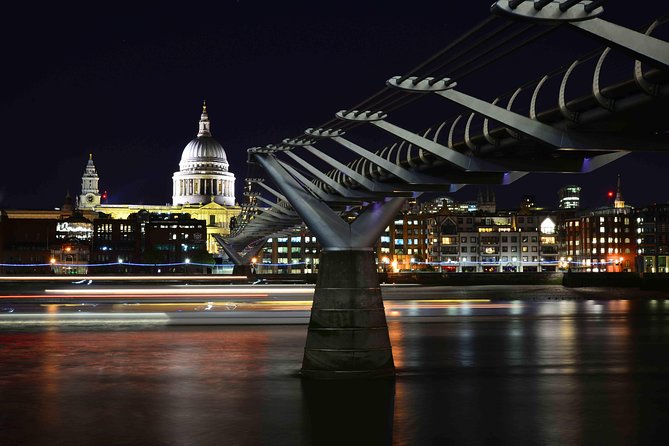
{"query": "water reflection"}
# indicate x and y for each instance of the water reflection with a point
(348, 413)
(517, 372)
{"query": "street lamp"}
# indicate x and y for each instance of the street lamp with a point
(254, 261)
(385, 261)
(395, 267)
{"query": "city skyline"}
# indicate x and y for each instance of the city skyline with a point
(128, 88)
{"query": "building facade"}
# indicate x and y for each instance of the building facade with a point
(569, 197)
(652, 226)
(203, 188)
(602, 240)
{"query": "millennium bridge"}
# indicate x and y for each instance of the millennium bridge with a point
(573, 119)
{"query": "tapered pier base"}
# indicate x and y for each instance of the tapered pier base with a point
(242, 270)
(348, 334)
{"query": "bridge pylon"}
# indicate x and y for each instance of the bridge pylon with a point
(348, 334)
(242, 260)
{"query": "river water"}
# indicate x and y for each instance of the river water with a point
(505, 372)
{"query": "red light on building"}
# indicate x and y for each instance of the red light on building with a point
(610, 194)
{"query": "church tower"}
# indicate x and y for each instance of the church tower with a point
(619, 203)
(485, 200)
(90, 194)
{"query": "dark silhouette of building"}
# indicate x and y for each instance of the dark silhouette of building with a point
(653, 238)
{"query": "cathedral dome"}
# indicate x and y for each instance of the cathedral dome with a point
(203, 175)
(204, 148)
(204, 151)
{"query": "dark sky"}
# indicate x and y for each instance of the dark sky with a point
(127, 83)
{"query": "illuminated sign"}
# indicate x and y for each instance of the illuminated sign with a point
(81, 228)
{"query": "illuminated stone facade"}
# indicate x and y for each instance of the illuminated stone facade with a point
(202, 187)
(216, 216)
(90, 193)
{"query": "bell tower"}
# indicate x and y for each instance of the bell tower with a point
(90, 194)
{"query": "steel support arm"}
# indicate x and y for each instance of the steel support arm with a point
(370, 224)
(324, 178)
(250, 249)
(341, 189)
(276, 206)
(271, 190)
(556, 137)
(306, 183)
(230, 250)
(316, 191)
(643, 47)
(535, 129)
(355, 176)
(329, 228)
(451, 156)
(400, 172)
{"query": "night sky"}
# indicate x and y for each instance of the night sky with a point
(127, 85)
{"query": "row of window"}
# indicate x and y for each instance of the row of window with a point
(601, 240)
(501, 259)
(409, 222)
(296, 239)
(504, 238)
(491, 250)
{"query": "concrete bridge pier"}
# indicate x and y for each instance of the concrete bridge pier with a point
(243, 270)
(348, 334)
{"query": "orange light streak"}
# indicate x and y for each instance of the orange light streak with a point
(121, 296)
(183, 291)
(117, 278)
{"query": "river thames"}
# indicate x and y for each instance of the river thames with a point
(544, 370)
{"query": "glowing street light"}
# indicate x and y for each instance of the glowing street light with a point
(186, 260)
